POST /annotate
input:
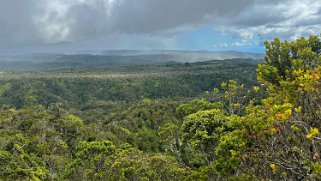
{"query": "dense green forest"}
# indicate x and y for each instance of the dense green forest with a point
(217, 120)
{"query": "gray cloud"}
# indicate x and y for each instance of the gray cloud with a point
(41, 22)
(146, 16)
(16, 20)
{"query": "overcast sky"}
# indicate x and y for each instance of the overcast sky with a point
(75, 25)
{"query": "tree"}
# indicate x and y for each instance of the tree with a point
(276, 137)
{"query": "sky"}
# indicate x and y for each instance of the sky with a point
(213, 25)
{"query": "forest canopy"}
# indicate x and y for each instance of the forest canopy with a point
(148, 129)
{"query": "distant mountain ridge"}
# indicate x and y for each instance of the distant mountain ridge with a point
(108, 58)
(188, 56)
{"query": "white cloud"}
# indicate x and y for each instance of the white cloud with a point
(242, 43)
(286, 19)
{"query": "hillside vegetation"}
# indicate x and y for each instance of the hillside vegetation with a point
(177, 121)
